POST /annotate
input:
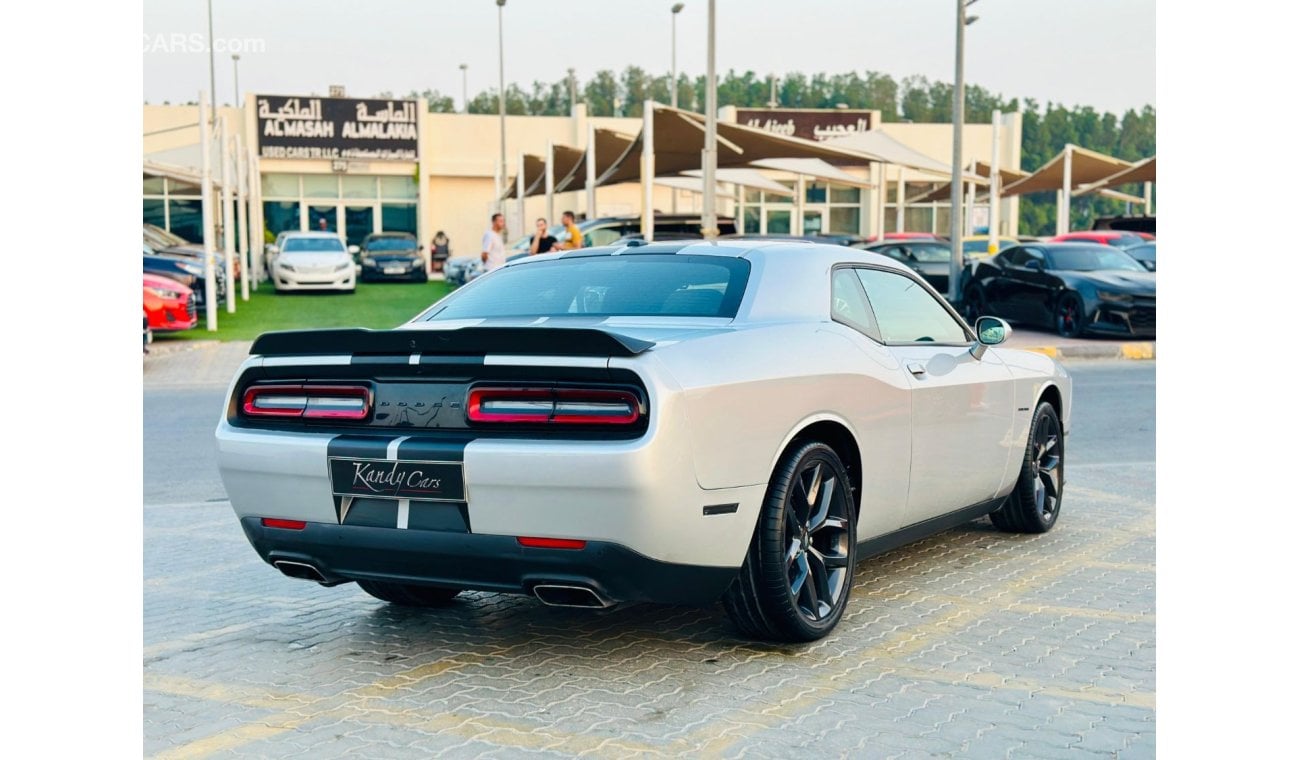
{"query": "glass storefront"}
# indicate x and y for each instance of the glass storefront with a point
(357, 205)
(175, 206)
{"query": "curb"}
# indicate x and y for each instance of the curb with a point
(1145, 350)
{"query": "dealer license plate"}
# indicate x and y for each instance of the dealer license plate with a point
(401, 479)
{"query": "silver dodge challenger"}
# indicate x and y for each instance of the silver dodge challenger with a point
(669, 422)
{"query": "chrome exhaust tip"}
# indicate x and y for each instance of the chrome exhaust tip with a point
(562, 595)
(300, 570)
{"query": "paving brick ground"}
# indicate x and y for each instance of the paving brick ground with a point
(971, 643)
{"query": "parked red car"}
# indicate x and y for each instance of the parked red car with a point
(168, 305)
(1117, 238)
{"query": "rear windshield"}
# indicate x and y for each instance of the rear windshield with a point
(1091, 258)
(312, 244)
(626, 285)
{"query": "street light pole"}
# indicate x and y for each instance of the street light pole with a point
(464, 88)
(235, 58)
(672, 82)
(212, 67)
(958, 121)
(709, 221)
(573, 92)
(501, 96)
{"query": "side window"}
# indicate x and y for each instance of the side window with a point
(905, 312)
(849, 304)
(601, 236)
(1034, 254)
(1015, 257)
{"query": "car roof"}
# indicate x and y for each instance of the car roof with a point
(309, 233)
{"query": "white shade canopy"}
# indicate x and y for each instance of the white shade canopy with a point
(812, 167)
(751, 178)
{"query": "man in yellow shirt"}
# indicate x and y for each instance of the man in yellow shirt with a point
(575, 235)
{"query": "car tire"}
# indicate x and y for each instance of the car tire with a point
(794, 587)
(1068, 316)
(409, 595)
(1035, 503)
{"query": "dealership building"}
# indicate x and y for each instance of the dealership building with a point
(358, 166)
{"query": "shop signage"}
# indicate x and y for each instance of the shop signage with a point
(336, 129)
(810, 124)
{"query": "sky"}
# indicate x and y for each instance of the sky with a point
(1099, 53)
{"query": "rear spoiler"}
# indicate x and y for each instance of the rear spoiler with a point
(546, 341)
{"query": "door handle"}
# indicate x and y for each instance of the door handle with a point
(916, 368)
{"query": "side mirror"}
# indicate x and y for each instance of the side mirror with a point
(989, 331)
(272, 250)
(354, 250)
(1034, 265)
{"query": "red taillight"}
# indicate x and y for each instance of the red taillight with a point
(275, 522)
(554, 406)
(551, 543)
(317, 402)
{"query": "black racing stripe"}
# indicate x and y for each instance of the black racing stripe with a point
(372, 513)
(444, 360)
(437, 515)
(364, 359)
(443, 448)
(360, 447)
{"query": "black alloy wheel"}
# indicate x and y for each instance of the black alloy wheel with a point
(796, 579)
(1069, 316)
(1035, 503)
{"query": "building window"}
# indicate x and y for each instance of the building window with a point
(359, 187)
(844, 194)
(320, 186)
(778, 222)
(844, 219)
(279, 216)
(398, 217)
(185, 217)
(398, 188)
(280, 186)
(814, 192)
(155, 212)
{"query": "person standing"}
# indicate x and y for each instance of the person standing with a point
(494, 246)
(575, 234)
(542, 242)
(440, 250)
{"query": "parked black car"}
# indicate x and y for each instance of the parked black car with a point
(1145, 255)
(162, 241)
(1072, 288)
(928, 258)
(391, 256)
(186, 270)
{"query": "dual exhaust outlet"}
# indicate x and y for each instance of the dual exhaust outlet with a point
(550, 594)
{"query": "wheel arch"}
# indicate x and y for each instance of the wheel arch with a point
(836, 433)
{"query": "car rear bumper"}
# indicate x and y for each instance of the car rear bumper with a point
(483, 562)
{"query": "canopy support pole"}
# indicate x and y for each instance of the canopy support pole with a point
(591, 170)
(550, 181)
(519, 194)
(881, 191)
(227, 217)
(648, 171)
(209, 233)
(1063, 204)
(241, 206)
(256, 217)
(709, 159)
(969, 225)
(900, 205)
(796, 224)
(1147, 206)
(995, 186)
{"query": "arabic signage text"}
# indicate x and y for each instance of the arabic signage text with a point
(336, 128)
(808, 124)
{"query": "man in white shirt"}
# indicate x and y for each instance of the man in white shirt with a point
(494, 247)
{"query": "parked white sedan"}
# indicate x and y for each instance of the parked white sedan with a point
(681, 422)
(311, 261)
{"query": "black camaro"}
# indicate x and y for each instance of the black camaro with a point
(1073, 288)
(928, 258)
(392, 256)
